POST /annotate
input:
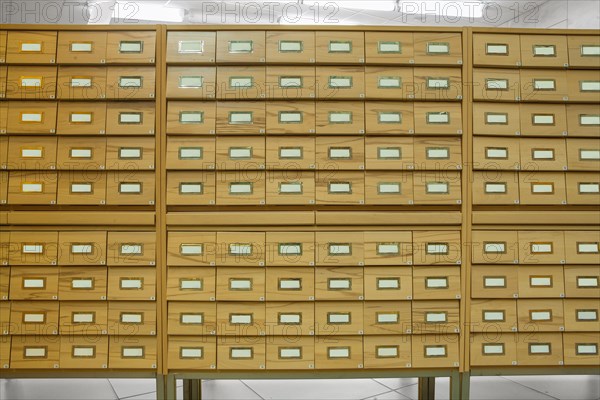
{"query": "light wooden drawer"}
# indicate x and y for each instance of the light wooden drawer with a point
(130, 118)
(127, 83)
(544, 51)
(33, 248)
(340, 47)
(340, 153)
(583, 50)
(30, 283)
(87, 153)
(25, 82)
(191, 47)
(290, 46)
(431, 247)
(500, 350)
(334, 187)
(438, 118)
(241, 118)
(339, 283)
(437, 154)
(82, 283)
(496, 153)
(289, 153)
(130, 188)
(34, 317)
(131, 47)
(387, 352)
(387, 118)
(438, 48)
(499, 315)
(192, 352)
(543, 85)
(192, 318)
(496, 84)
(388, 283)
(435, 317)
(241, 83)
(435, 351)
(583, 154)
(494, 282)
(241, 249)
(240, 284)
(389, 187)
(191, 248)
(185, 154)
(79, 118)
(582, 315)
(130, 153)
(290, 117)
(438, 84)
(491, 49)
(541, 247)
(542, 188)
(495, 247)
(546, 155)
(389, 153)
(582, 281)
(191, 187)
(191, 82)
(545, 315)
(496, 187)
(290, 284)
(389, 47)
(389, 83)
(79, 352)
(128, 249)
(191, 117)
(539, 349)
(290, 319)
(131, 283)
(234, 353)
(31, 117)
(237, 153)
(79, 47)
(83, 318)
(345, 353)
(81, 187)
(583, 86)
(300, 83)
(340, 118)
(581, 348)
(35, 352)
(290, 187)
(541, 282)
(31, 47)
(583, 187)
(30, 152)
(241, 319)
(583, 120)
(285, 355)
(387, 317)
(82, 83)
(191, 283)
(436, 283)
(241, 47)
(543, 120)
(132, 318)
(488, 119)
(341, 317)
(141, 354)
(336, 248)
(82, 248)
(581, 247)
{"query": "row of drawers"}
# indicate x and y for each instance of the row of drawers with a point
(535, 188)
(513, 50)
(78, 352)
(535, 85)
(536, 119)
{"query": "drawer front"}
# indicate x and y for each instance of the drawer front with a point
(495, 247)
(82, 283)
(388, 283)
(241, 118)
(436, 248)
(543, 120)
(234, 353)
(337, 248)
(82, 248)
(191, 283)
(582, 282)
(340, 47)
(240, 153)
(241, 83)
(489, 120)
(30, 118)
(191, 118)
(583, 187)
(437, 154)
(191, 248)
(82, 353)
(582, 50)
(543, 85)
(583, 120)
(436, 283)
(82, 47)
(83, 318)
(131, 283)
(81, 83)
(130, 83)
(493, 351)
(544, 51)
(539, 349)
(33, 248)
(283, 355)
(191, 188)
(290, 118)
(435, 317)
(545, 315)
(241, 47)
(34, 317)
(133, 188)
(387, 118)
(581, 349)
(87, 153)
(539, 247)
(191, 47)
(34, 352)
(340, 153)
(496, 50)
(334, 187)
(24, 82)
(31, 283)
(186, 154)
(240, 284)
(345, 353)
(141, 354)
(389, 153)
(494, 282)
(389, 47)
(295, 187)
(549, 155)
(541, 282)
(26, 152)
(290, 46)
(341, 118)
(388, 248)
(341, 317)
(30, 47)
(287, 85)
(191, 82)
(435, 351)
(240, 319)
(241, 249)
(438, 48)
(339, 283)
(192, 352)
(293, 318)
(130, 154)
(290, 284)
(387, 352)
(496, 84)
(581, 315)
(583, 86)
(389, 188)
(496, 187)
(289, 153)
(131, 47)
(500, 315)
(387, 317)
(389, 83)
(438, 84)
(293, 249)
(241, 187)
(76, 188)
(130, 249)
(581, 247)
(130, 118)
(583, 154)
(132, 317)
(438, 119)
(186, 318)
(79, 118)
(542, 188)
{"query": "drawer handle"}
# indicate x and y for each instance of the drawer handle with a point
(241, 188)
(384, 188)
(241, 117)
(191, 188)
(589, 50)
(496, 84)
(385, 47)
(30, 117)
(496, 153)
(289, 249)
(191, 153)
(496, 349)
(544, 84)
(540, 315)
(587, 247)
(81, 47)
(388, 249)
(494, 247)
(35, 352)
(336, 318)
(290, 188)
(544, 50)
(496, 49)
(32, 152)
(34, 283)
(131, 118)
(496, 118)
(191, 319)
(130, 153)
(541, 248)
(438, 83)
(130, 187)
(291, 46)
(189, 249)
(31, 82)
(240, 153)
(388, 283)
(241, 82)
(542, 188)
(290, 117)
(241, 249)
(191, 284)
(436, 282)
(191, 353)
(81, 188)
(245, 353)
(31, 47)
(83, 352)
(439, 117)
(438, 351)
(340, 82)
(289, 318)
(540, 281)
(589, 119)
(34, 318)
(83, 283)
(437, 248)
(290, 284)
(586, 349)
(340, 188)
(495, 315)
(191, 117)
(589, 155)
(82, 248)
(27, 248)
(389, 117)
(588, 187)
(387, 317)
(540, 348)
(436, 317)
(339, 284)
(584, 282)
(589, 86)
(389, 153)
(83, 153)
(340, 46)
(132, 318)
(495, 187)
(542, 154)
(340, 153)
(291, 82)
(131, 283)
(386, 351)
(131, 249)
(131, 82)
(191, 82)
(240, 284)
(241, 319)
(133, 352)
(438, 153)
(543, 119)
(83, 317)
(290, 353)
(339, 249)
(190, 46)
(438, 48)
(338, 352)
(340, 117)
(587, 315)
(389, 82)
(241, 46)
(494, 282)
(291, 153)
(81, 81)
(131, 46)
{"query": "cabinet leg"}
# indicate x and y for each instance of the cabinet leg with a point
(170, 387)
(465, 386)
(455, 385)
(161, 384)
(192, 389)
(426, 388)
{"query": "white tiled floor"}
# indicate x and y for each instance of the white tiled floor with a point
(482, 388)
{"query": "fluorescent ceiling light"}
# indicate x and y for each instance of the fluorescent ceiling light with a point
(375, 5)
(131, 10)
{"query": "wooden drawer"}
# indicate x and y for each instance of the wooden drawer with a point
(582, 282)
(387, 118)
(240, 319)
(340, 47)
(191, 82)
(339, 283)
(543, 120)
(30, 152)
(126, 83)
(31, 117)
(340, 153)
(191, 188)
(283, 354)
(130, 118)
(496, 153)
(334, 187)
(583, 86)
(290, 47)
(83, 318)
(240, 284)
(131, 249)
(5, 247)
(191, 283)
(241, 187)
(496, 84)
(35, 352)
(491, 49)
(581, 247)
(192, 352)
(34, 317)
(341, 317)
(389, 47)
(544, 51)
(388, 248)
(241, 83)
(337, 248)
(541, 282)
(494, 282)
(390, 153)
(389, 188)
(341, 118)
(290, 249)
(5, 282)
(389, 83)
(241, 118)
(25, 82)
(82, 283)
(286, 188)
(79, 352)
(186, 318)
(82, 83)
(435, 317)
(436, 283)
(387, 317)
(291, 85)
(436, 248)
(583, 187)
(31, 47)
(135, 153)
(290, 153)
(436, 154)
(541, 247)
(80, 118)
(345, 353)
(387, 352)
(495, 247)
(81, 188)
(540, 315)
(290, 117)
(543, 85)
(539, 349)
(4, 151)
(583, 120)
(498, 350)
(294, 318)
(241, 47)
(581, 349)
(132, 318)
(5, 348)
(388, 283)
(340, 83)
(583, 50)
(583, 154)
(128, 353)
(237, 153)
(186, 154)
(437, 48)
(131, 283)
(191, 248)
(130, 188)
(241, 249)
(499, 315)
(124, 47)
(191, 118)
(191, 47)
(5, 326)
(87, 153)
(290, 284)
(234, 353)
(546, 155)
(489, 120)
(435, 351)
(542, 188)
(79, 47)
(33, 248)
(496, 187)
(438, 118)
(31, 283)
(3, 187)
(82, 248)
(438, 84)
(581, 315)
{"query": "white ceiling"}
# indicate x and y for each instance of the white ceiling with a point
(572, 14)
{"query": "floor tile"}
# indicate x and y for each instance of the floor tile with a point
(396, 383)
(133, 387)
(227, 390)
(393, 395)
(345, 389)
(152, 396)
(57, 389)
(575, 387)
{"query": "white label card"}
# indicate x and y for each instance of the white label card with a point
(290, 117)
(32, 249)
(436, 248)
(539, 348)
(290, 187)
(438, 83)
(192, 319)
(290, 152)
(584, 282)
(240, 319)
(587, 315)
(390, 82)
(438, 117)
(190, 284)
(387, 318)
(132, 318)
(496, 118)
(494, 282)
(130, 46)
(191, 82)
(587, 248)
(333, 318)
(130, 118)
(194, 153)
(496, 49)
(493, 349)
(240, 46)
(589, 86)
(82, 187)
(589, 120)
(389, 47)
(340, 117)
(438, 48)
(240, 153)
(240, 117)
(32, 187)
(436, 283)
(35, 352)
(132, 352)
(81, 118)
(389, 117)
(241, 82)
(544, 50)
(435, 351)
(340, 152)
(132, 249)
(340, 82)
(130, 82)
(387, 351)
(290, 82)
(80, 153)
(34, 283)
(240, 188)
(340, 249)
(290, 249)
(586, 155)
(587, 349)
(84, 352)
(388, 283)
(340, 187)
(81, 82)
(543, 154)
(340, 47)
(82, 248)
(590, 50)
(393, 153)
(492, 248)
(191, 249)
(32, 117)
(83, 318)
(130, 187)
(543, 281)
(241, 353)
(436, 317)
(496, 84)
(338, 352)
(32, 153)
(290, 284)
(190, 188)
(542, 188)
(29, 47)
(289, 352)
(131, 283)
(388, 188)
(440, 153)
(191, 117)
(34, 318)
(191, 46)
(544, 84)
(498, 187)
(541, 248)
(437, 187)
(31, 82)
(191, 352)
(243, 249)
(290, 318)
(240, 284)
(493, 316)
(388, 248)
(589, 187)
(341, 283)
(543, 119)
(82, 283)
(290, 46)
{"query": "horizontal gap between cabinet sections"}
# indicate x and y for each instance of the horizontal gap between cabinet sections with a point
(65, 218)
(497, 217)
